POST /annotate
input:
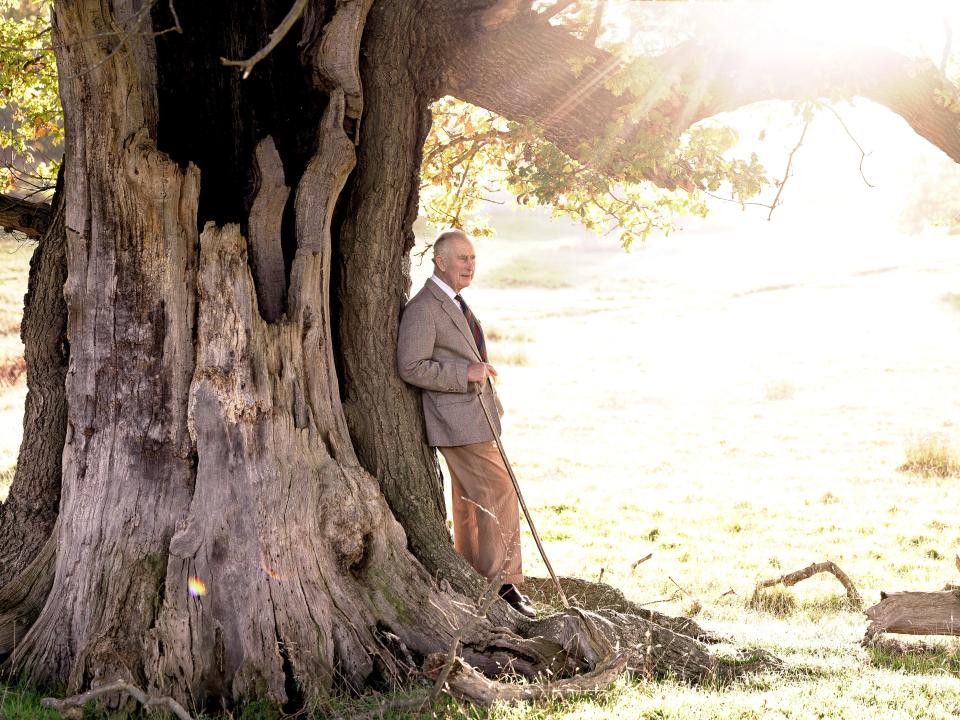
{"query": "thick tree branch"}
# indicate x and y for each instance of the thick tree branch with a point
(912, 88)
(30, 218)
(530, 71)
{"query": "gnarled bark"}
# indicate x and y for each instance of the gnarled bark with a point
(30, 511)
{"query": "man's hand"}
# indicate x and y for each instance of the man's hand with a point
(479, 372)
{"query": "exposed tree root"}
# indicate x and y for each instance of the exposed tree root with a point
(600, 596)
(466, 683)
(72, 707)
(856, 602)
(582, 642)
(659, 652)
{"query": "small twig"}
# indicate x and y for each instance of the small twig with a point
(786, 172)
(731, 591)
(275, 37)
(793, 578)
(741, 203)
(148, 701)
(863, 155)
(661, 600)
(641, 560)
(683, 590)
(600, 577)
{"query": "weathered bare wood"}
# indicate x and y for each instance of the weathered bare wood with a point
(915, 613)
(30, 218)
(266, 217)
(486, 602)
(127, 466)
(337, 63)
(466, 683)
(793, 578)
(69, 705)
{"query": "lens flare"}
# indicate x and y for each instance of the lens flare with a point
(195, 587)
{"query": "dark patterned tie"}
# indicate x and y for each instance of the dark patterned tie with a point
(475, 328)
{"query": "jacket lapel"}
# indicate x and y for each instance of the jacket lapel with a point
(456, 314)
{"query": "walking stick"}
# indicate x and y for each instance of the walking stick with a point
(516, 486)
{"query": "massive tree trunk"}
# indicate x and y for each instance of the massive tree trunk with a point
(376, 237)
(238, 448)
(204, 442)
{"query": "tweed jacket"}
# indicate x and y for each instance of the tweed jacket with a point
(434, 348)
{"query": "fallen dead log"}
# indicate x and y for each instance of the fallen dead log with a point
(466, 683)
(790, 579)
(915, 613)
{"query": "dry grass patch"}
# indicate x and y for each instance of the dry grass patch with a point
(777, 601)
(931, 455)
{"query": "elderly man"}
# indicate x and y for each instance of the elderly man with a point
(441, 350)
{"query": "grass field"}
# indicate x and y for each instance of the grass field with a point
(738, 405)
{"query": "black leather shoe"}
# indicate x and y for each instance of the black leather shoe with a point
(518, 602)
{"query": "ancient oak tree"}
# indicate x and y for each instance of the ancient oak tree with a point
(223, 391)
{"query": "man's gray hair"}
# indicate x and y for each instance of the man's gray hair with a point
(441, 244)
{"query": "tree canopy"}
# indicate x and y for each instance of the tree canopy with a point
(614, 180)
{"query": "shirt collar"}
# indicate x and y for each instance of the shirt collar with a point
(443, 286)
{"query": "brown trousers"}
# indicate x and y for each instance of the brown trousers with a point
(486, 518)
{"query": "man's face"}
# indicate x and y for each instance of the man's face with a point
(456, 267)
